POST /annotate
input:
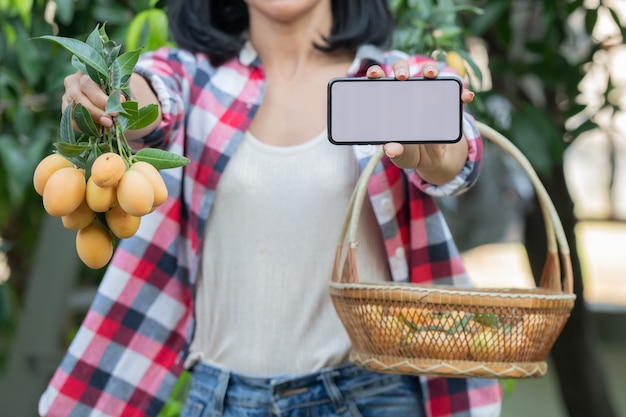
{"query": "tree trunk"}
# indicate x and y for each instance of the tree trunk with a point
(575, 354)
(35, 351)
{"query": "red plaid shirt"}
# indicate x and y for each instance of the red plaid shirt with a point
(131, 346)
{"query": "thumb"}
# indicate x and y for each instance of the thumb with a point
(403, 156)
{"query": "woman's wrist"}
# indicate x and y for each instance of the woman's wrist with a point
(453, 160)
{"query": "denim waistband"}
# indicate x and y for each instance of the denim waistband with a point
(282, 384)
(331, 391)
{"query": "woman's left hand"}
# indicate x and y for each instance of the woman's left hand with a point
(437, 163)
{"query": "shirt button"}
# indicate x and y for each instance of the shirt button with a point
(387, 206)
(400, 253)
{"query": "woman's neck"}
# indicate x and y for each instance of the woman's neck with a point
(286, 47)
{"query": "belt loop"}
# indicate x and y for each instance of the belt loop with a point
(219, 394)
(328, 379)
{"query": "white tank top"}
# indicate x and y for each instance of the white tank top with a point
(262, 304)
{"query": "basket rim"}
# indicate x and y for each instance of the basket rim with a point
(448, 368)
(387, 286)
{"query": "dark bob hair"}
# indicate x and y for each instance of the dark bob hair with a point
(218, 27)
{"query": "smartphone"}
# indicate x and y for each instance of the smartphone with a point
(374, 111)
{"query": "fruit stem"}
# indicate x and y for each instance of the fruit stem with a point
(122, 145)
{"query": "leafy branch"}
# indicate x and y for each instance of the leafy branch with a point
(101, 59)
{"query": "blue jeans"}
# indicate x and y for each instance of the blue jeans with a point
(346, 391)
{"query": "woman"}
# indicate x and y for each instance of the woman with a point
(229, 277)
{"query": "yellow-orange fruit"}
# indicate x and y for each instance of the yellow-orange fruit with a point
(100, 199)
(94, 245)
(79, 218)
(483, 345)
(64, 191)
(122, 224)
(456, 62)
(46, 167)
(107, 169)
(424, 343)
(134, 193)
(153, 175)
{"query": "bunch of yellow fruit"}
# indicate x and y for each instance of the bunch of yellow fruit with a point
(108, 204)
(95, 182)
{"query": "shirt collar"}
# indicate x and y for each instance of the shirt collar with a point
(248, 55)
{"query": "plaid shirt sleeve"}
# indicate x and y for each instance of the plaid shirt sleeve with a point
(127, 353)
(131, 346)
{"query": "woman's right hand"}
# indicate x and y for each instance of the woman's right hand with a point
(80, 88)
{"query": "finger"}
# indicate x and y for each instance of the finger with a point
(467, 96)
(79, 88)
(93, 92)
(430, 70)
(96, 113)
(375, 71)
(401, 69)
(402, 156)
(70, 83)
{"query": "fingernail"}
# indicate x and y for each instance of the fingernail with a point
(471, 95)
(401, 72)
(430, 72)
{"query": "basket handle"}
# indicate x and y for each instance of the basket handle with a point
(552, 277)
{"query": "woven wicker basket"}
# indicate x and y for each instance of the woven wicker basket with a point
(415, 329)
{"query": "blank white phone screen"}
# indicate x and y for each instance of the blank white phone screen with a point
(386, 110)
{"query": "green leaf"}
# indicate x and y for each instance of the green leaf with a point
(487, 319)
(112, 52)
(123, 68)
(507, 386)
(84, 121)
(28, 57)
(65, 11)
(71, 150)
(470, 61)
(492, 12)
(145, 116)
(131, 109)
(76, 63)
(448, 32)
(103, 34)
(94, 40)
(114, 103)
(24, 7)
(533, 133)
(160, 158)
(66, 128)
(87, 54)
